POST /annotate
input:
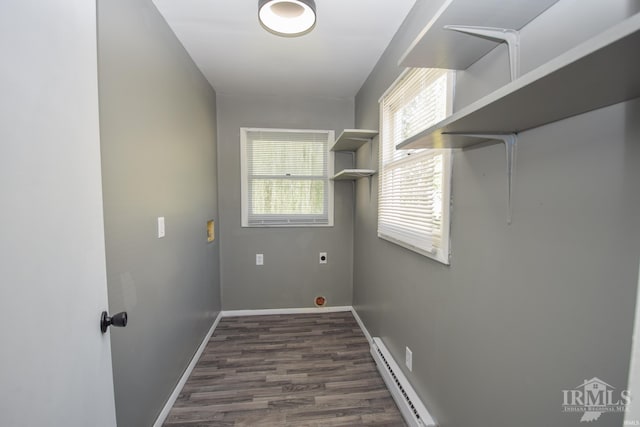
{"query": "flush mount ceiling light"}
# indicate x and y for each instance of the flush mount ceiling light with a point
(287, 18)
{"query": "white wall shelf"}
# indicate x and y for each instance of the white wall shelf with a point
(439, 47)
(353, 174)
(352, 139)
(602, 71)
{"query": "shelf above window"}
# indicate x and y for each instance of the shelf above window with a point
(352, 139)
(437, 47)
(353, 174)
(602, 71)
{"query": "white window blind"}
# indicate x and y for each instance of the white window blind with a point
(414, 187)
(285, 178)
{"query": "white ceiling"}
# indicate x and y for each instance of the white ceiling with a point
(238, 56)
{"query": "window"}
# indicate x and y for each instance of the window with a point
(414, 185)
(285, 177)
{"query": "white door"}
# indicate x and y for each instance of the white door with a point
(632, 415)
(55, 365)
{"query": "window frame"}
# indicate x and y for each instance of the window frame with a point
(244, 171)
(441, 251)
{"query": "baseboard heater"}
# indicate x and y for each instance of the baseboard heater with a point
(410, 405)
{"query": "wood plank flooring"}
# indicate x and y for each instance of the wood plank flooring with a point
(303, 370)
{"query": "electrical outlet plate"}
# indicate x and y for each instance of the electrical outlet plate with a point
(259, 259)
(323, 258)
(408, 358)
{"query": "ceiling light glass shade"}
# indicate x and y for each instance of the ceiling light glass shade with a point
(287, 18)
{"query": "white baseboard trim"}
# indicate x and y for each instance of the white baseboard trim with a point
(268, 311)
(361, 324)
(185, 376)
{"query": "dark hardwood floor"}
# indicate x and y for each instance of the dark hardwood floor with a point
(286, 370)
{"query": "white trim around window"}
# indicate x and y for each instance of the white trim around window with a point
(414, 198)
(286, 177)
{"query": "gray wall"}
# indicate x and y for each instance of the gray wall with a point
(158, 132)
(529, 309)
(291, 275)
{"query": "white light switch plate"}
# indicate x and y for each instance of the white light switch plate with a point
(160, 227)
(408, 358)
(259, 259)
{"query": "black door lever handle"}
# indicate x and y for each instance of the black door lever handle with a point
(119, 320)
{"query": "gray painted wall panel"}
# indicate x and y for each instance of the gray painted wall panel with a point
(158, 132)
(291, 275)
(527, 310)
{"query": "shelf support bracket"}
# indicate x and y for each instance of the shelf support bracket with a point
(511, 37)
(510, 141)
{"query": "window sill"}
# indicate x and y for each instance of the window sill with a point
(436, 255)
(286, 225)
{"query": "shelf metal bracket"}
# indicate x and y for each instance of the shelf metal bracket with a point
(510, 141)
(511, 37)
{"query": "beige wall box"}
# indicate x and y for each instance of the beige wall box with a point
(211, 234)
